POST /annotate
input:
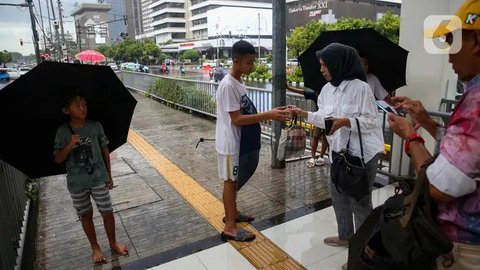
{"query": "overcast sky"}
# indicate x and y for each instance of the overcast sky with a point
(15, 23)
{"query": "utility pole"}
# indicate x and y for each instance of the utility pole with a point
(55, 25)
(43, 27)
(279, 74)
(49, 21)
(259, 37)
(34, 30)
(61, 24)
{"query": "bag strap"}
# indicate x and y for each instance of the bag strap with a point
(360, 139)
(412, 198)
(294, 121)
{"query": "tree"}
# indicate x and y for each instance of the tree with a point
(150, 51)
(389, 26)
(191, 54)
(105, 50)
(301, 37)
(351, 23)
(5, 57)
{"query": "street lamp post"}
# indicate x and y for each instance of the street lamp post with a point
(259, 37)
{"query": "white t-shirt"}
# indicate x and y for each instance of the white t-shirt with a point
(229, 99)
(378, 91)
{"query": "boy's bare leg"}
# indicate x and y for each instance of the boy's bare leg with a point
(109, 224)
(230, 205)
(89, 229)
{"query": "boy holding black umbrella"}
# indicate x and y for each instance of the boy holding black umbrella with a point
(82, 145)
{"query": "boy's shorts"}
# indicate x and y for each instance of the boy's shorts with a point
(317, 132)
(82, 203)
(227, 167)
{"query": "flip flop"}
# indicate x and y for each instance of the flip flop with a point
(311, 163)
(242, 235)
(241, 218)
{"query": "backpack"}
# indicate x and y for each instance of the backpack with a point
(402, 233)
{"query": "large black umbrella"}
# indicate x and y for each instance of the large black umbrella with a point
(30, 112)
(386, 59)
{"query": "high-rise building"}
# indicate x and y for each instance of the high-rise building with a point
(146, 19)
(133, 10)
(116, 22)
(91, 25)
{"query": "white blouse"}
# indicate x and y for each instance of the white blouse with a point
(351, 99)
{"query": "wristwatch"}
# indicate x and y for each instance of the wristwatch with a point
(410, 138)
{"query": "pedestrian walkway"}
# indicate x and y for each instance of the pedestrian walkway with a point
(301, 238)
(167, 203)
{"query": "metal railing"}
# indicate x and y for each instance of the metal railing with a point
(14, 206)
(262, 98)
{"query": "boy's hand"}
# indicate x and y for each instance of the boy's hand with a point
(279, 114)
(110, 183)
(74, 139)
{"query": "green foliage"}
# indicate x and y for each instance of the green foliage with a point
(301, 37)
(389, 26)
(260, 72)
(162, 58)
(105, 50)
(183, 94)
(150, 51)
(296, 76)
(269, 58)
(132, 51)
(5, 57)
(190, 54)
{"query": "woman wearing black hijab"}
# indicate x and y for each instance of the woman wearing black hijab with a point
(347, 97)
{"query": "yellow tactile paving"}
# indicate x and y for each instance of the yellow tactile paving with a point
(261, 253)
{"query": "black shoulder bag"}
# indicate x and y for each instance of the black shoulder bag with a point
(348, 172)
(402, 233)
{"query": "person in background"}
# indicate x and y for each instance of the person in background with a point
(317, 133)
(378, 91)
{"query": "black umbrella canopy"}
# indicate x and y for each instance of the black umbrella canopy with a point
(31, 112)
(386, 59)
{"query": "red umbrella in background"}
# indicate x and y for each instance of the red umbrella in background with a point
(90, 56)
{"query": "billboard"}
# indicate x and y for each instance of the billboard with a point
(301, 12)
(239, 21)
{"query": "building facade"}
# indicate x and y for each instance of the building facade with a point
(301, 12)
(116, 20)
(91, 25)
(133, 11)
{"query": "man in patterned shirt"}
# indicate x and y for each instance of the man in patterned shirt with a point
(455, 174)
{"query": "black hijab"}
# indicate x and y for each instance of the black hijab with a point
(343, 63)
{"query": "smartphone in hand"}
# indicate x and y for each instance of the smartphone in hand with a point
(328, 125)
(384, 106)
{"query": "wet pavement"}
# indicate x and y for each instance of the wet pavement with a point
(155, 221)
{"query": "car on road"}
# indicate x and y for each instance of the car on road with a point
(113, 66)
(136, 67)
(4, 76)
(15, 73)
(209, 64)
(292, 62)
